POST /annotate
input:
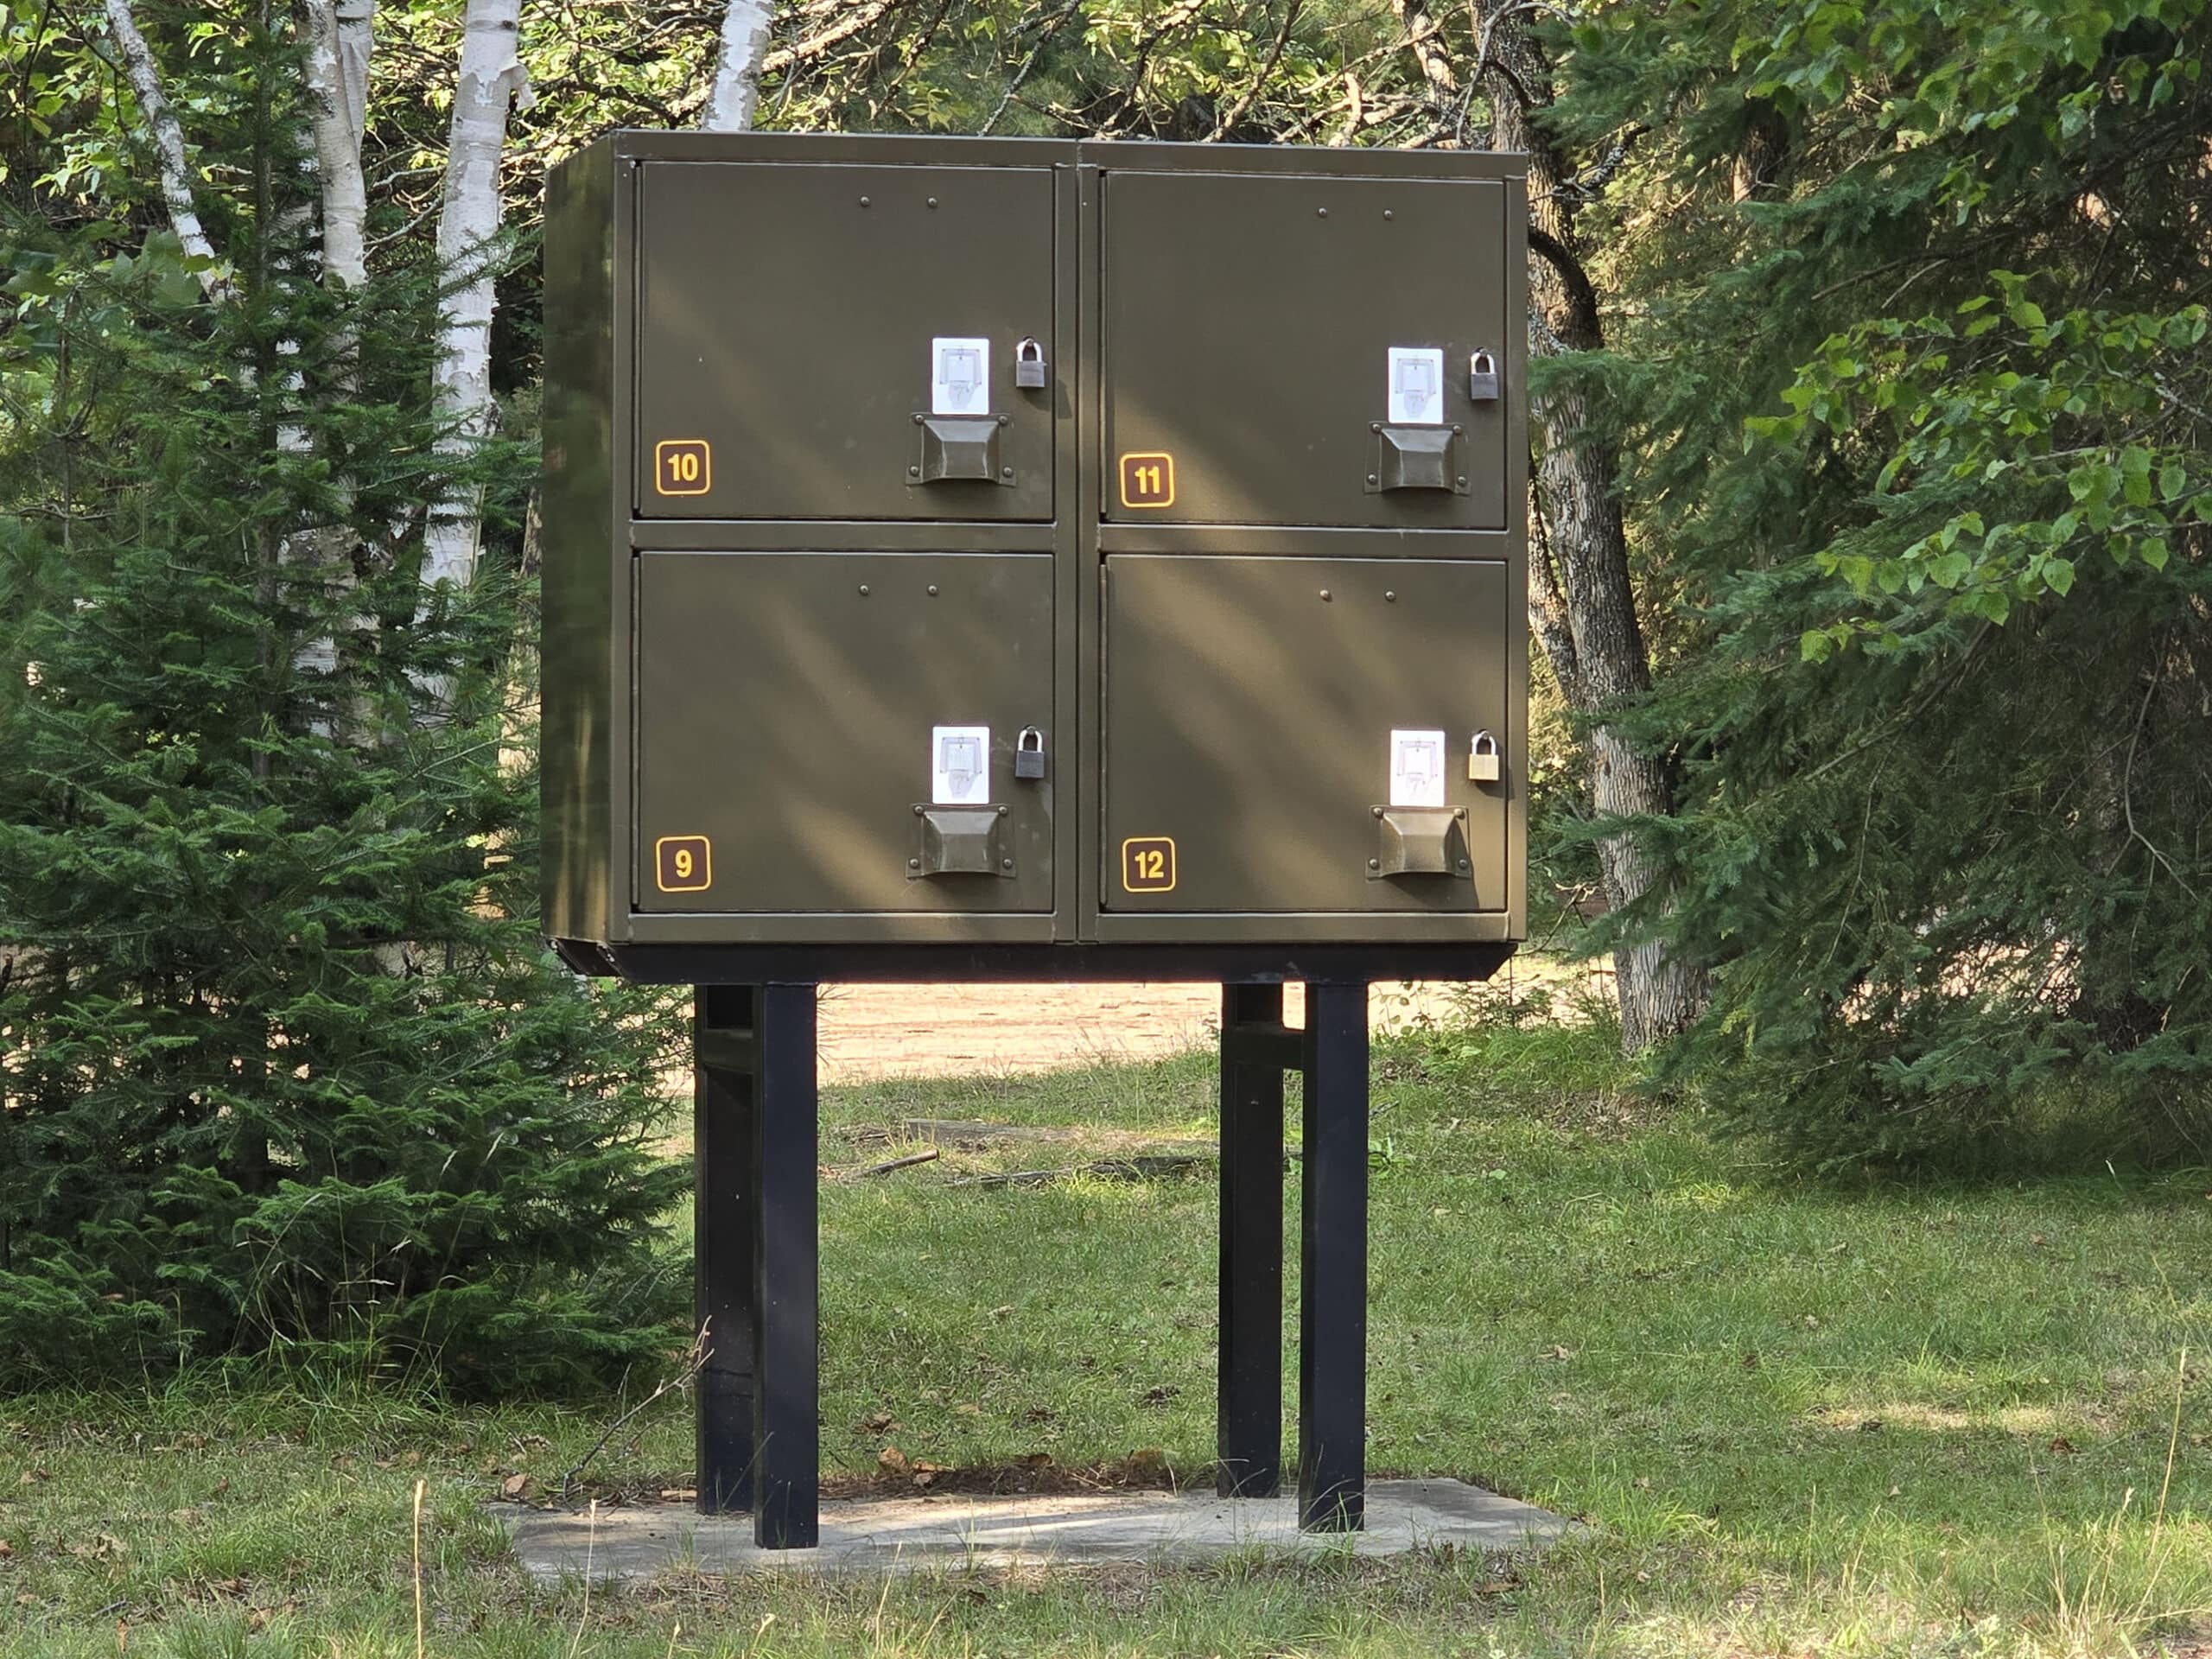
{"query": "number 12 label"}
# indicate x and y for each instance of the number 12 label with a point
(1148, 864)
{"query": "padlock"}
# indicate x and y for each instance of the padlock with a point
(1482, 759)
(1482, 378)
(1029, 755)
(1029, 371)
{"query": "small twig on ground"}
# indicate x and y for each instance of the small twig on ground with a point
(591, 1540)
(418, 1568)
(929, 1157)
(1120, 1169)
(692, 1361)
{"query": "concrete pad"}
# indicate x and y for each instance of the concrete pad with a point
(953, 1530)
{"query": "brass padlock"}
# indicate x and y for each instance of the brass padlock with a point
(1482, 378)
(1483, 765)
(1029, 366)
(1029, 755)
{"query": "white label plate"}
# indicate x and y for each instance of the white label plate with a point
(1416, 768)
(1416, 385)
(960, 765)
(960, 376)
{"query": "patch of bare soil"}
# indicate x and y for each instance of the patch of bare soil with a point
(884, 1031)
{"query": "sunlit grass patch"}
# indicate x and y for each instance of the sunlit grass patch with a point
(1796, 1418)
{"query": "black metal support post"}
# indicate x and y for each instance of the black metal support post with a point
(756, 1239)
(724, 1100)
(786, 1277)
(1248, 1373)
(1332, 1311)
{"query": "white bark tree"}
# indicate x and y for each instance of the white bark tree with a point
(735, 94)
(167, 138)
(340, 35)
(491, 82)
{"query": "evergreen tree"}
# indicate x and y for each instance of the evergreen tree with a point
(285, 1064)
(1916, 368)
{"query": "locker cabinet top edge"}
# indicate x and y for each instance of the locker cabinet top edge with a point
(643, 145)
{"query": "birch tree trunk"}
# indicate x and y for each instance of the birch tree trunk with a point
(735, 94)
(340, 36)
(168, 147)
(491, 81)
(1582, 605)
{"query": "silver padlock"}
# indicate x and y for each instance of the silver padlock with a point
(1029, 755)
(1029, 366)
(1483, 764)
(1482, 378)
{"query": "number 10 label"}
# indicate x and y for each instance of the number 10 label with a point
(682, 467)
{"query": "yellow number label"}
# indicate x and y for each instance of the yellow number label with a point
(1147, 481)
(1148, 864)
(682, 467)
(683, 863)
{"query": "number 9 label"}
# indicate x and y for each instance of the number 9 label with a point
(683, 863)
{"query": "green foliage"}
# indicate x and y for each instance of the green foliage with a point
(282, 1062)
(1921, 441)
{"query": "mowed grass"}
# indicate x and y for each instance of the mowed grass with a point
(1796, 1418)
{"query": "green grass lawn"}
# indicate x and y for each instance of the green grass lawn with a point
(1796, 1418)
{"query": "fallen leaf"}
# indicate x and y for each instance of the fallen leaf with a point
(1870, 1425)
(1148, 1458)
(222, 1486)
(881, 1422)
(1027, 1460)
(2061, 1445)
(969, 1408)
(1161, 1393)
(891, 1461)
(1000, 1313)
(514, 1486)
(6, 1549)
(32, 1475)
(1557, 1350)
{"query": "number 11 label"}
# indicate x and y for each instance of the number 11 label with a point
(1147, 481)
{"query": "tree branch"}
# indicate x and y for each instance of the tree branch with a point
(168, 148)
(1053, 27)
(1227, 123)
(1581, 293)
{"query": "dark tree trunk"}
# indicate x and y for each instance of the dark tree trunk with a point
(1582, 605)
